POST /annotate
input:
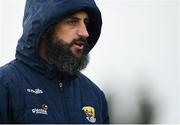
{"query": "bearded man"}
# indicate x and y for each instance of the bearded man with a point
(44, 83)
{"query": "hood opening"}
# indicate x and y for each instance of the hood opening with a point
(93, 35)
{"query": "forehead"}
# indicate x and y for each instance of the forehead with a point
(80, 14)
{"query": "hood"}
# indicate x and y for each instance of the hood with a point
(39, 15)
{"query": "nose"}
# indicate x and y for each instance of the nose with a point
(83, 32)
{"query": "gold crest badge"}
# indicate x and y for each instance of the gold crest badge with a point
(90, 113)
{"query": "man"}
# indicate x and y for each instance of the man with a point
(44, 84)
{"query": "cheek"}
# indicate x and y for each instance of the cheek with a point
(67, 36)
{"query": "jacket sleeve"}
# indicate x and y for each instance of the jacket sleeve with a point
(4, 102)
(105, 113)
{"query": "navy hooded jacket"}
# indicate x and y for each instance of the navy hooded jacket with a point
(30, 89)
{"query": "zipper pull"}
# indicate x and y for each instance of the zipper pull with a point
(61, 86)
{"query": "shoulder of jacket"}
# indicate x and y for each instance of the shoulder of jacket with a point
(88, 84)
(8, 74)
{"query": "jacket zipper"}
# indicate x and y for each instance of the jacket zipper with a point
(61, 86)
(63, 102)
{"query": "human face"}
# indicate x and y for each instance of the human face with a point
(73, 28)
(65, 44)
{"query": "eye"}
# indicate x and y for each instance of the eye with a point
(86, 22)
(71, 22)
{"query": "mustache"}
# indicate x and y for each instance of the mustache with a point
(78, 41)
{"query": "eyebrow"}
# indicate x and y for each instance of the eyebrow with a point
(76, 18)
(72, 17)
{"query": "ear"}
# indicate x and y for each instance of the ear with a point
(41, 47)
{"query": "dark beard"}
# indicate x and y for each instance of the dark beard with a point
(58, 52)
